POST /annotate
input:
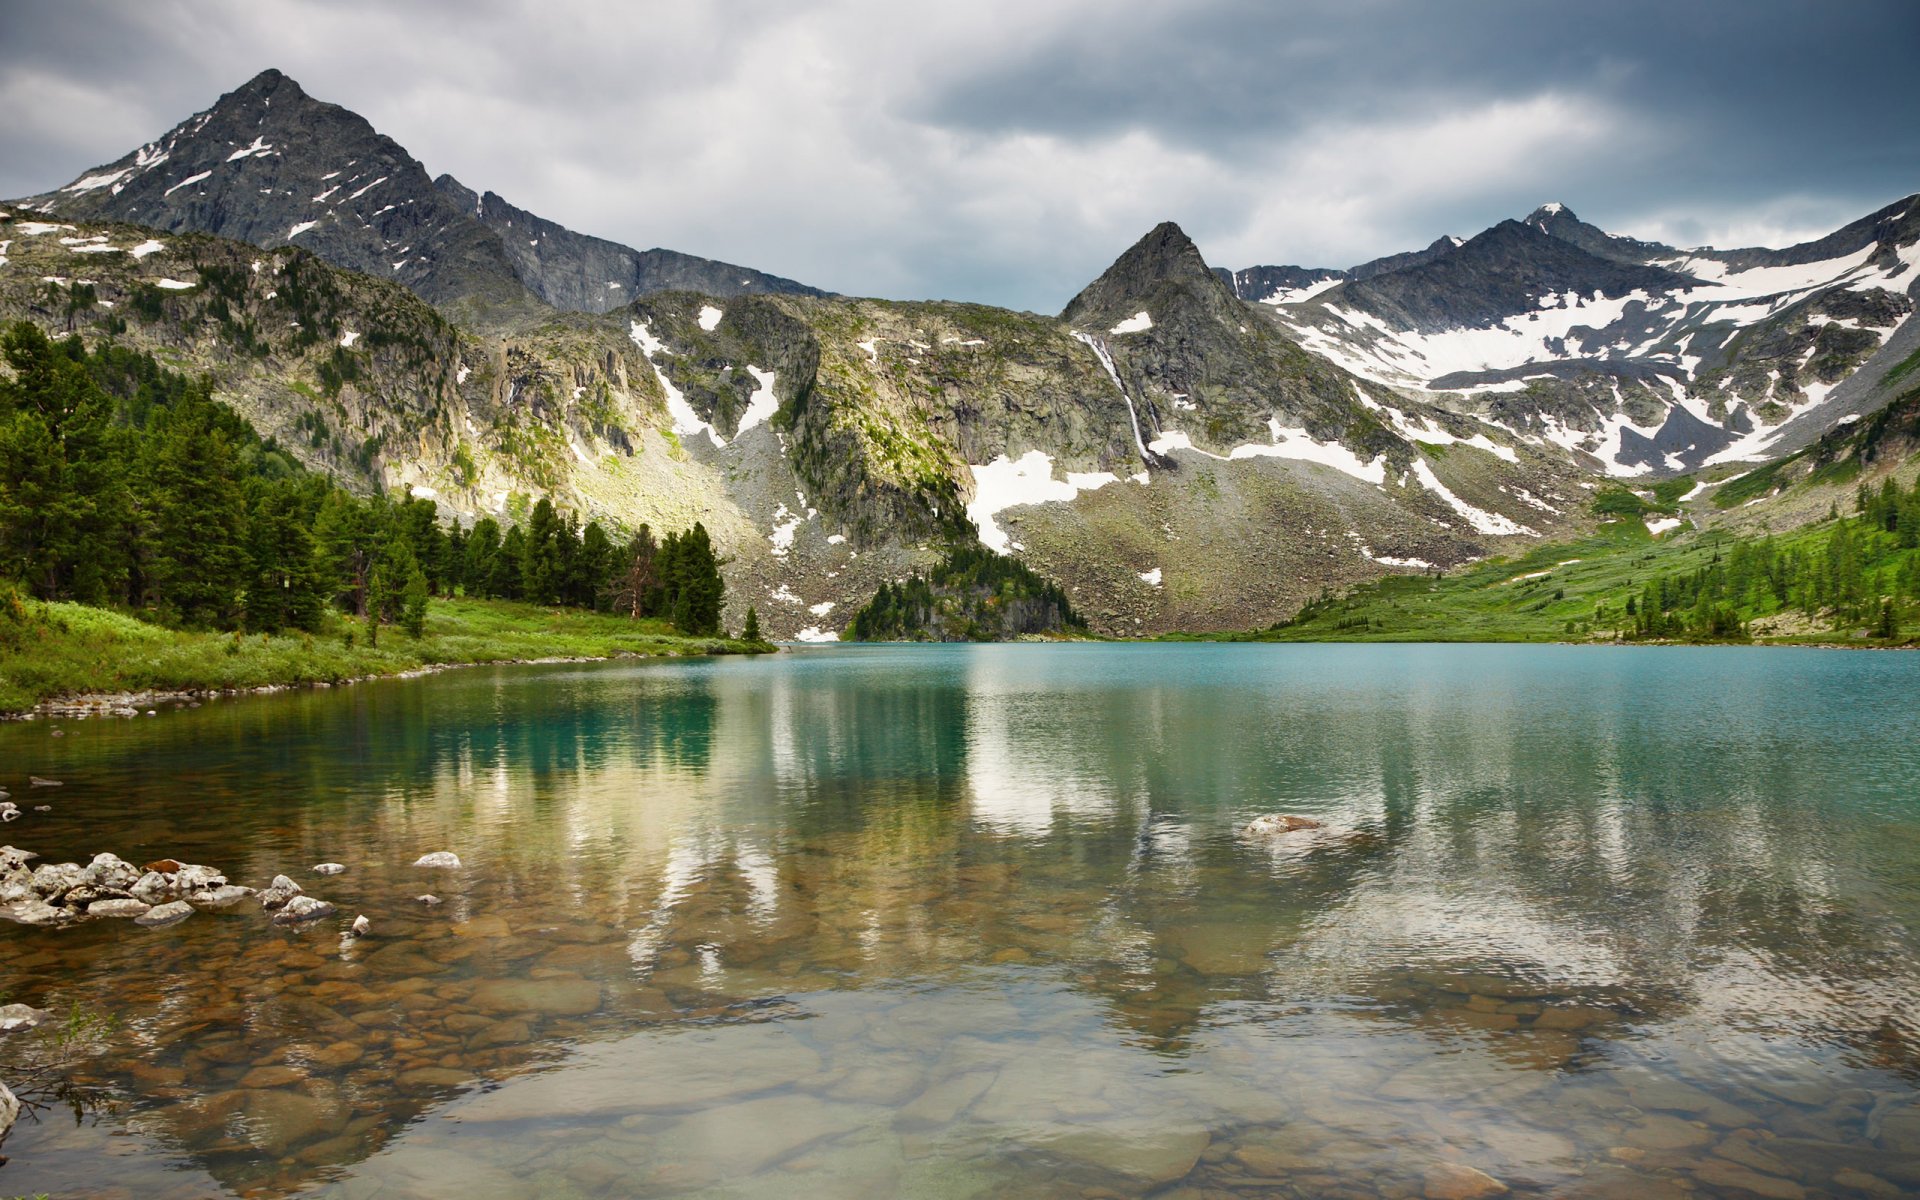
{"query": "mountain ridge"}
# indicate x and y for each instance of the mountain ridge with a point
(317, 173)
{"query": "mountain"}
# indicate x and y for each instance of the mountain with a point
(271, 165)
(1192, 468)
(1181, 448)
(1639, 357)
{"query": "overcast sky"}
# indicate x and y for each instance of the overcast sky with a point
(1006, 150)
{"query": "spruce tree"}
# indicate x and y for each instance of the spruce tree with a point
(503, 580)
(413, 605)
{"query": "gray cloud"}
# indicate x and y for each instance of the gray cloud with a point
(1005, 150)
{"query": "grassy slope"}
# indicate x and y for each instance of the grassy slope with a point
(1514, 599)
(69, 649)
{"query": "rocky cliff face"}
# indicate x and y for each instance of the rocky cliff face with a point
(270, 165)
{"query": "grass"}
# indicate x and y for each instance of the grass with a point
(1563, 592)
(66, 650)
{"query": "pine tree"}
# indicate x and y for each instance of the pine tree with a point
(750, 632)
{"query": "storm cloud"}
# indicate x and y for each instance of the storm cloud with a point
(1006, 150)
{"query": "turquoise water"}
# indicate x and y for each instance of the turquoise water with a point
(978, 921)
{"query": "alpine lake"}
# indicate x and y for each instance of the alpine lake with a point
(984, 922)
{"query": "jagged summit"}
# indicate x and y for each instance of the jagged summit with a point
(1163, 268)
(271, 165)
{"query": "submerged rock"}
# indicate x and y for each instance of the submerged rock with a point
(301, 909)
(1457, 1181)
(1270, 824)
(429, 900)
(36, 781)
(546, 997)
(328, 868)
(439, 858)
(171, 913)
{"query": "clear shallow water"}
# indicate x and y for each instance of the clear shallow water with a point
(952, 921)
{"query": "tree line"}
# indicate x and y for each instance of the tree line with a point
(123, 483)
(971, 595)
(1862, 575)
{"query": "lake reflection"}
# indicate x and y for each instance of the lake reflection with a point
(977, 922)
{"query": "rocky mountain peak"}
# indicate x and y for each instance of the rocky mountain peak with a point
(1163, 264)
(271, 165)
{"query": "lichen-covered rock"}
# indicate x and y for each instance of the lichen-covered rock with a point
(170, 913)
(54, 880)
(439, 858)
(9, 1110)
(301, 909)
(125, 906)
(111, 872)
(15, 1017)
(38, 912)
(279, 892)
(220, 898)
(153, 887)
(192, 877)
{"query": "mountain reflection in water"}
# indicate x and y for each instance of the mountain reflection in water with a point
(978, 921)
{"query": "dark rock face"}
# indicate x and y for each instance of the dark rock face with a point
(588, 274)
(1559, 221)
(1506, 270)
(1404, 261)
(1255, 284)
(270, 165)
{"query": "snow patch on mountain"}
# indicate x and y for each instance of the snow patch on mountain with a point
(1480, 519)
(191, 179)
(1009, 483)
(686, 422)
(762, 404)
